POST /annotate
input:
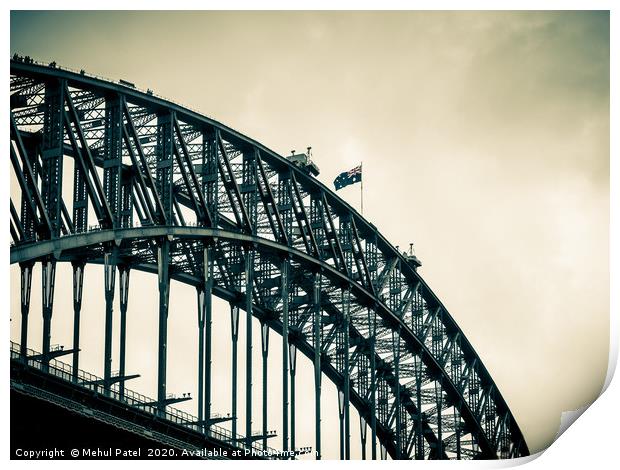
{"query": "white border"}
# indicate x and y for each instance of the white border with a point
(592, 441)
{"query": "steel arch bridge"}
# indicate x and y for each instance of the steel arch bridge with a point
(179, 195)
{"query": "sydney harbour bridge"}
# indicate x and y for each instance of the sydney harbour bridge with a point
(162, 189)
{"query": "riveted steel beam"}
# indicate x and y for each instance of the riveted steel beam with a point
(234, 329)
(26, 285)
(285, 352)
(333, 239)
(207, 282)
(271, 208)
(232, 188)
(78, 289)
(303, 221)
(165, 162)
(163, 267)
(209, 174)
(48, 279)
(249, 283)
(113, 155)
(52, 153)
(31, 197)
(265, 361)
(109, 268)
(292, 352)
(317, 312)
(145, 178)
(18, 233)
(191, 180)
(72, 121)
(200, 295)
(123, 271)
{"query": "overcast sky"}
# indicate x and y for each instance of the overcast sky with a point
(484, 139)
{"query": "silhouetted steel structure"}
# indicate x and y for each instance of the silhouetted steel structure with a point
(184, 197)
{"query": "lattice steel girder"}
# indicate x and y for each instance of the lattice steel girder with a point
(161, 233)
(165, 145)
(270, 205)
(113, 154)
(51, 153)
(379, 277)
(80, 199)
(192, 185)
(144, 178)
(85, 159)
(232, 187)
(209, 173)
(27, 179)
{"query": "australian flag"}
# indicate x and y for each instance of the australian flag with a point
(348, 177)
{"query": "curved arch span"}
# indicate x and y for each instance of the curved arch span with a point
(176, 178)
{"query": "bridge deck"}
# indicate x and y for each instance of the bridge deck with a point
(125, 423)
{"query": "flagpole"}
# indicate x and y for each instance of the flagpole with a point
(362, 187)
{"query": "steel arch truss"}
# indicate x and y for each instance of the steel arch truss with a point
(183, 196)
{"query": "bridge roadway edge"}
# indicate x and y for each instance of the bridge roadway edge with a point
(128, 427)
